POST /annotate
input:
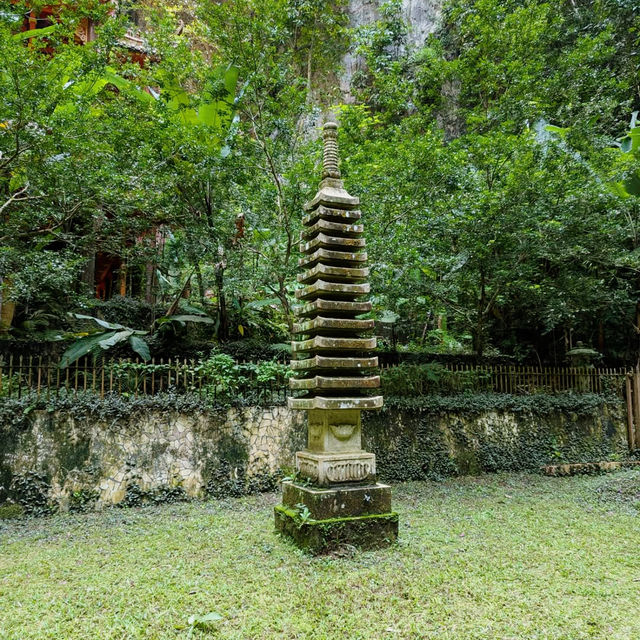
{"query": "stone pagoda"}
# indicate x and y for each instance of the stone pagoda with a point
(334, 498)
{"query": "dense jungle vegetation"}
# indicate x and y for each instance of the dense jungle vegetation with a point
(497, 167)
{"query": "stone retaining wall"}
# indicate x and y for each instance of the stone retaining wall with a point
(73, 462)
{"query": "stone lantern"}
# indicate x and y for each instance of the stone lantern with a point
(334, 498)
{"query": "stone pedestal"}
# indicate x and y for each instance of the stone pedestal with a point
(337, 500)
(333, 454)
(325, 469)
(319, 519)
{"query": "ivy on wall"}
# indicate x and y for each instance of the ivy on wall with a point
(426, 437)
(474, 403)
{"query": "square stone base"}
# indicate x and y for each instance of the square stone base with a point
(319, 519)
(338, 502)
(321, 536)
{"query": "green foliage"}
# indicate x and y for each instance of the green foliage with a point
(135, 496)
(83, 500)
(130, 312)
(490, 229)
(114, 334)
(512, 237)
(622, 490)
(111, 336)
(204, 623)
(89, 153)
(303, 515)
(415, 380)
(438, 436)
(31, 491)
(10, 511)
(474, 403)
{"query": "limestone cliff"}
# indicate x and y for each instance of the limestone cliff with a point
(422, 16)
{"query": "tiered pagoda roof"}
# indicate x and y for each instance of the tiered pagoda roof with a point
(332, 346)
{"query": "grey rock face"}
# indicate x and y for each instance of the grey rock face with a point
(422, 17)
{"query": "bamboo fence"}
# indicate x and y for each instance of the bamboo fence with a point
(44, 376)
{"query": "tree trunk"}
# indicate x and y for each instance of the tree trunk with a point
(200, 283)
(223, 318)
(478, 334)
(149, 282)
(7, 307)
(284, 301)
(123, 279)
(89, 273)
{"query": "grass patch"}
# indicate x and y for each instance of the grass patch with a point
(508, 556)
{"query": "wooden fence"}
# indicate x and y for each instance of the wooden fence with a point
(45, 377)
(451, 378)
(632, 395)
(132, 377)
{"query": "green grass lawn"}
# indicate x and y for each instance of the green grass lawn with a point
(497, 556)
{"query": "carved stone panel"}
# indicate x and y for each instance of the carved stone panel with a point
(334, 431)
(335, 469)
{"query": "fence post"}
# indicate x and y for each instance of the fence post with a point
(20, 371)
(39, 375)
(636, 406)
(48, 377)
(630, 426)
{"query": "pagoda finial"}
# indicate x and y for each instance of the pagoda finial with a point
(330, 168)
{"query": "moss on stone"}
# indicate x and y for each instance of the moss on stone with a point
(415, 443)
(10, 511)
(321, 536)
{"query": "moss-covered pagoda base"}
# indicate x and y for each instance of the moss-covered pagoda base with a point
(320, 520)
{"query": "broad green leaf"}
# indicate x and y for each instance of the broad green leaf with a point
(258, 304)
(634, 134)
(102, 323)
(126, 86)
(82, 347)
(210, 617)
(182, 319)
(215, 112)
(619, 189)
(140, 347)
(191, 318)
(118, 336)
(632, 185)
(36, 33)
(557, 130)
(88, 87)
(190, 308)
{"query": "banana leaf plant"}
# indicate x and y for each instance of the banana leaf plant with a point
(111, 334)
